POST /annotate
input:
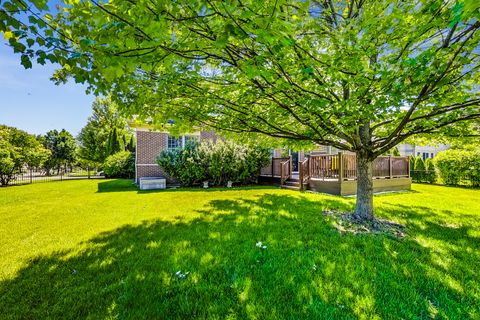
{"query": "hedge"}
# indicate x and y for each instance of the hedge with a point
(456, 166)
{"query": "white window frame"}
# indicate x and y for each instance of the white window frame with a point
(181, 140)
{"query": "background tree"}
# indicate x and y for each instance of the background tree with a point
(94, 137)
(62, 146)
(395, 152)
(131, 144)
(419, 164)
(114, 143)
(358, 75)
(17, 150)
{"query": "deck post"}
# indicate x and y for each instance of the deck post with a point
(340, 167)
(390, 169)
(281, 173)
(300, 176)
(290, 167)
(273, 162)
(408, 166)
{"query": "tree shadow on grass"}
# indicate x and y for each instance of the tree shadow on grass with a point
(307, 270)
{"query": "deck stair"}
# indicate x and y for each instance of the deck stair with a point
(292, 183)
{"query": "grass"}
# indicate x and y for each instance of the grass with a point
(102, 249)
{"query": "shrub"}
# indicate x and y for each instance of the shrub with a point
(214, 162)
(120, 165)
(419, 164)
(412, 162)
(7, 167)
(418, 173)
(456, 165)
(430, 175)
(182, 164)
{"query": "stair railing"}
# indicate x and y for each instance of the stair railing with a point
(304, 173)
(285, 171)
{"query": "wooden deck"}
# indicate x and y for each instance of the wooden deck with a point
(336, 174)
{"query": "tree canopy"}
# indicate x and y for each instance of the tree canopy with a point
(94, 138)
(62, 146)
(359, 75)
(18, 149)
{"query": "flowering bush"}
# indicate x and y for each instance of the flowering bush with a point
(214, 162)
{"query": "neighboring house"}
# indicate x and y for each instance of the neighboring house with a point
(423, 151)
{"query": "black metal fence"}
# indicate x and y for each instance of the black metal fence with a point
(27, 176)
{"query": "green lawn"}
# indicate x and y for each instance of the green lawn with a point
(101, 249)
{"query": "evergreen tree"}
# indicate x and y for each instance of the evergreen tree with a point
(131, 144)
(412, 162)
(419, 164)
(114, 144)
(395, 152)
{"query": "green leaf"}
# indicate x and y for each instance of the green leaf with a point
(87, 42)
(25, 61)
(8, 34)
(308, 70)
(19, 47)
(222, 41)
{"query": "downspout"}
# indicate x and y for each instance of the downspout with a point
(136, 157)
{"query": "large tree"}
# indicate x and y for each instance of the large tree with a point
(94, 137)
(359, 75)
(63, 149)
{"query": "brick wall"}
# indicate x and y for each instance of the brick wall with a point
(208, 135)
(149, 145)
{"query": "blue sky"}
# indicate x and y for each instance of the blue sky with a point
(33, 103)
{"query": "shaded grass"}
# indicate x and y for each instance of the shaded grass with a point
(91, 249)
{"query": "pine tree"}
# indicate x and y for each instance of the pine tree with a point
(395, 152)
(108, 148)
(124, 143)
(419, 164)
(412, 162)
(114, 144)
(131, 144)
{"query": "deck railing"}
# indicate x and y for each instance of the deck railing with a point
(344, 167)
(285, 171)
(273, 169)
(336, 166)
(304, 173)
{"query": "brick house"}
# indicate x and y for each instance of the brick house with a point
(150, 143)
(328, 170)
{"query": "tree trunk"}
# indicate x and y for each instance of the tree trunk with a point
(364, 205)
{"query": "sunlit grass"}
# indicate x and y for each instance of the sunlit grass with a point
(101, 249)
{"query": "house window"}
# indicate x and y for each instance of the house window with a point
(180, 142)
(418, 154)
(174, 142)
(425, 156)
(431, 155)
(190, 139)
